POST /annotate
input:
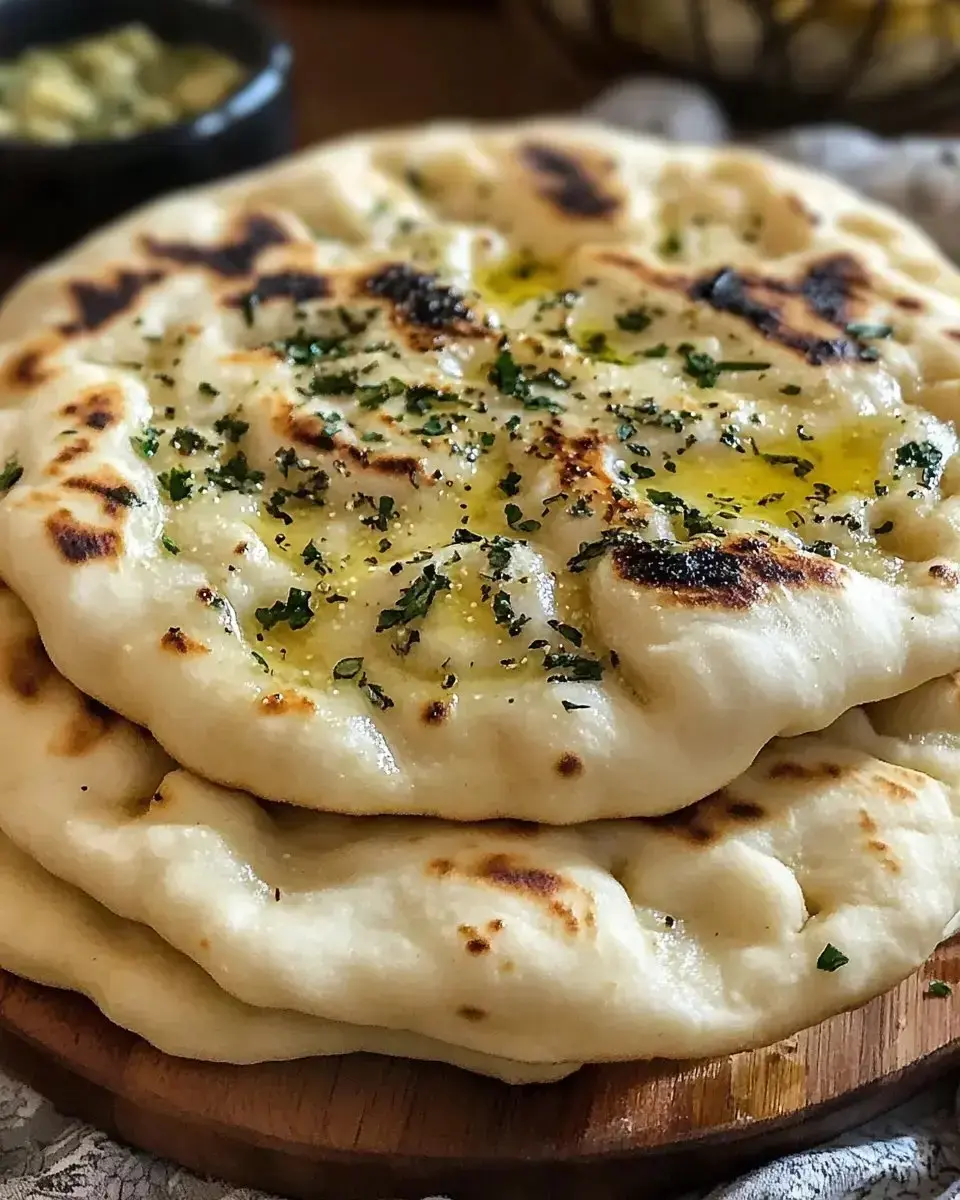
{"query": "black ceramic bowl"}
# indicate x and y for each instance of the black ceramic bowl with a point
(52, 194)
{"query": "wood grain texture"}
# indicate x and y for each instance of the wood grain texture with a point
(362, 1127)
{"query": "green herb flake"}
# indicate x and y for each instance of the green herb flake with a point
(177, 483)
(634, 320)
(571, 668)
(313, 557)
(510, 484)
(347, 668)
(831, 959)
(567, 631)
(342, 384)
(375, 694)
(515, 519)
(372, 395)
(867, 331)
(569, 706)
(207, 389)
(386, 507)
(10, 474)
(938, 989)
(235, 475)
(188, 441)
(415, 600)
(169, 544)
(925, 457)
(295, 610)
(304, 350)
(231, 427)
(148, 442)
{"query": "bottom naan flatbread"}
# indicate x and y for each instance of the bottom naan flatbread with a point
(818, 879)
(54, 934)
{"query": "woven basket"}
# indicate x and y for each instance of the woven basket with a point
(891, 64)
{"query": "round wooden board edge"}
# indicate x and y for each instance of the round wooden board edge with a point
(363, 1127)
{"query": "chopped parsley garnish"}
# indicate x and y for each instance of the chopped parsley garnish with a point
(433, 426)
(551, 377)
(569, 706)
(372, 395)
(177, 483)
(122, 494)
(508, 377)
(288, 460)
(886, 527)
(295, 610)
(415, 600)
(386, 506)
(207, 389)
(148, 443)
(938, 989)
(188, 441)
(869, 331)
(634, 320)
(261, 662)
(462, 536)
(313, 557)
(342, 384)
(801, 466)
(274, 506)
(515, 519)
(790, 389)
(304, 350)
(670, 246)
(694, 521)
(503, 613)
(169, 544)
(10, 474)
(347, 668)
(591, 551)
(235, 475)
(231, 427)
(568, 632)
(924, 456)
(661, 350)
(510, 484)
(705, 369)
(375, 694)
(571, 668)
(831, 959)
(824, 549)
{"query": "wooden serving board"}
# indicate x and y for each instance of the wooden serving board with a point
(363, 1127)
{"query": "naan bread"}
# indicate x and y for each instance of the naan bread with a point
(695, 934)
(53, 934)
(545, 473)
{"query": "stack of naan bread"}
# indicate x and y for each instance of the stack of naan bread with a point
(486, 595)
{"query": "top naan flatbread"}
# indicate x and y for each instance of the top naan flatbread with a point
(543, 472)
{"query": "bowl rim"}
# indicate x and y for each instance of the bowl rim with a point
(256, 91)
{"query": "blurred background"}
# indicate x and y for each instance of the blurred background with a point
(888, 64)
